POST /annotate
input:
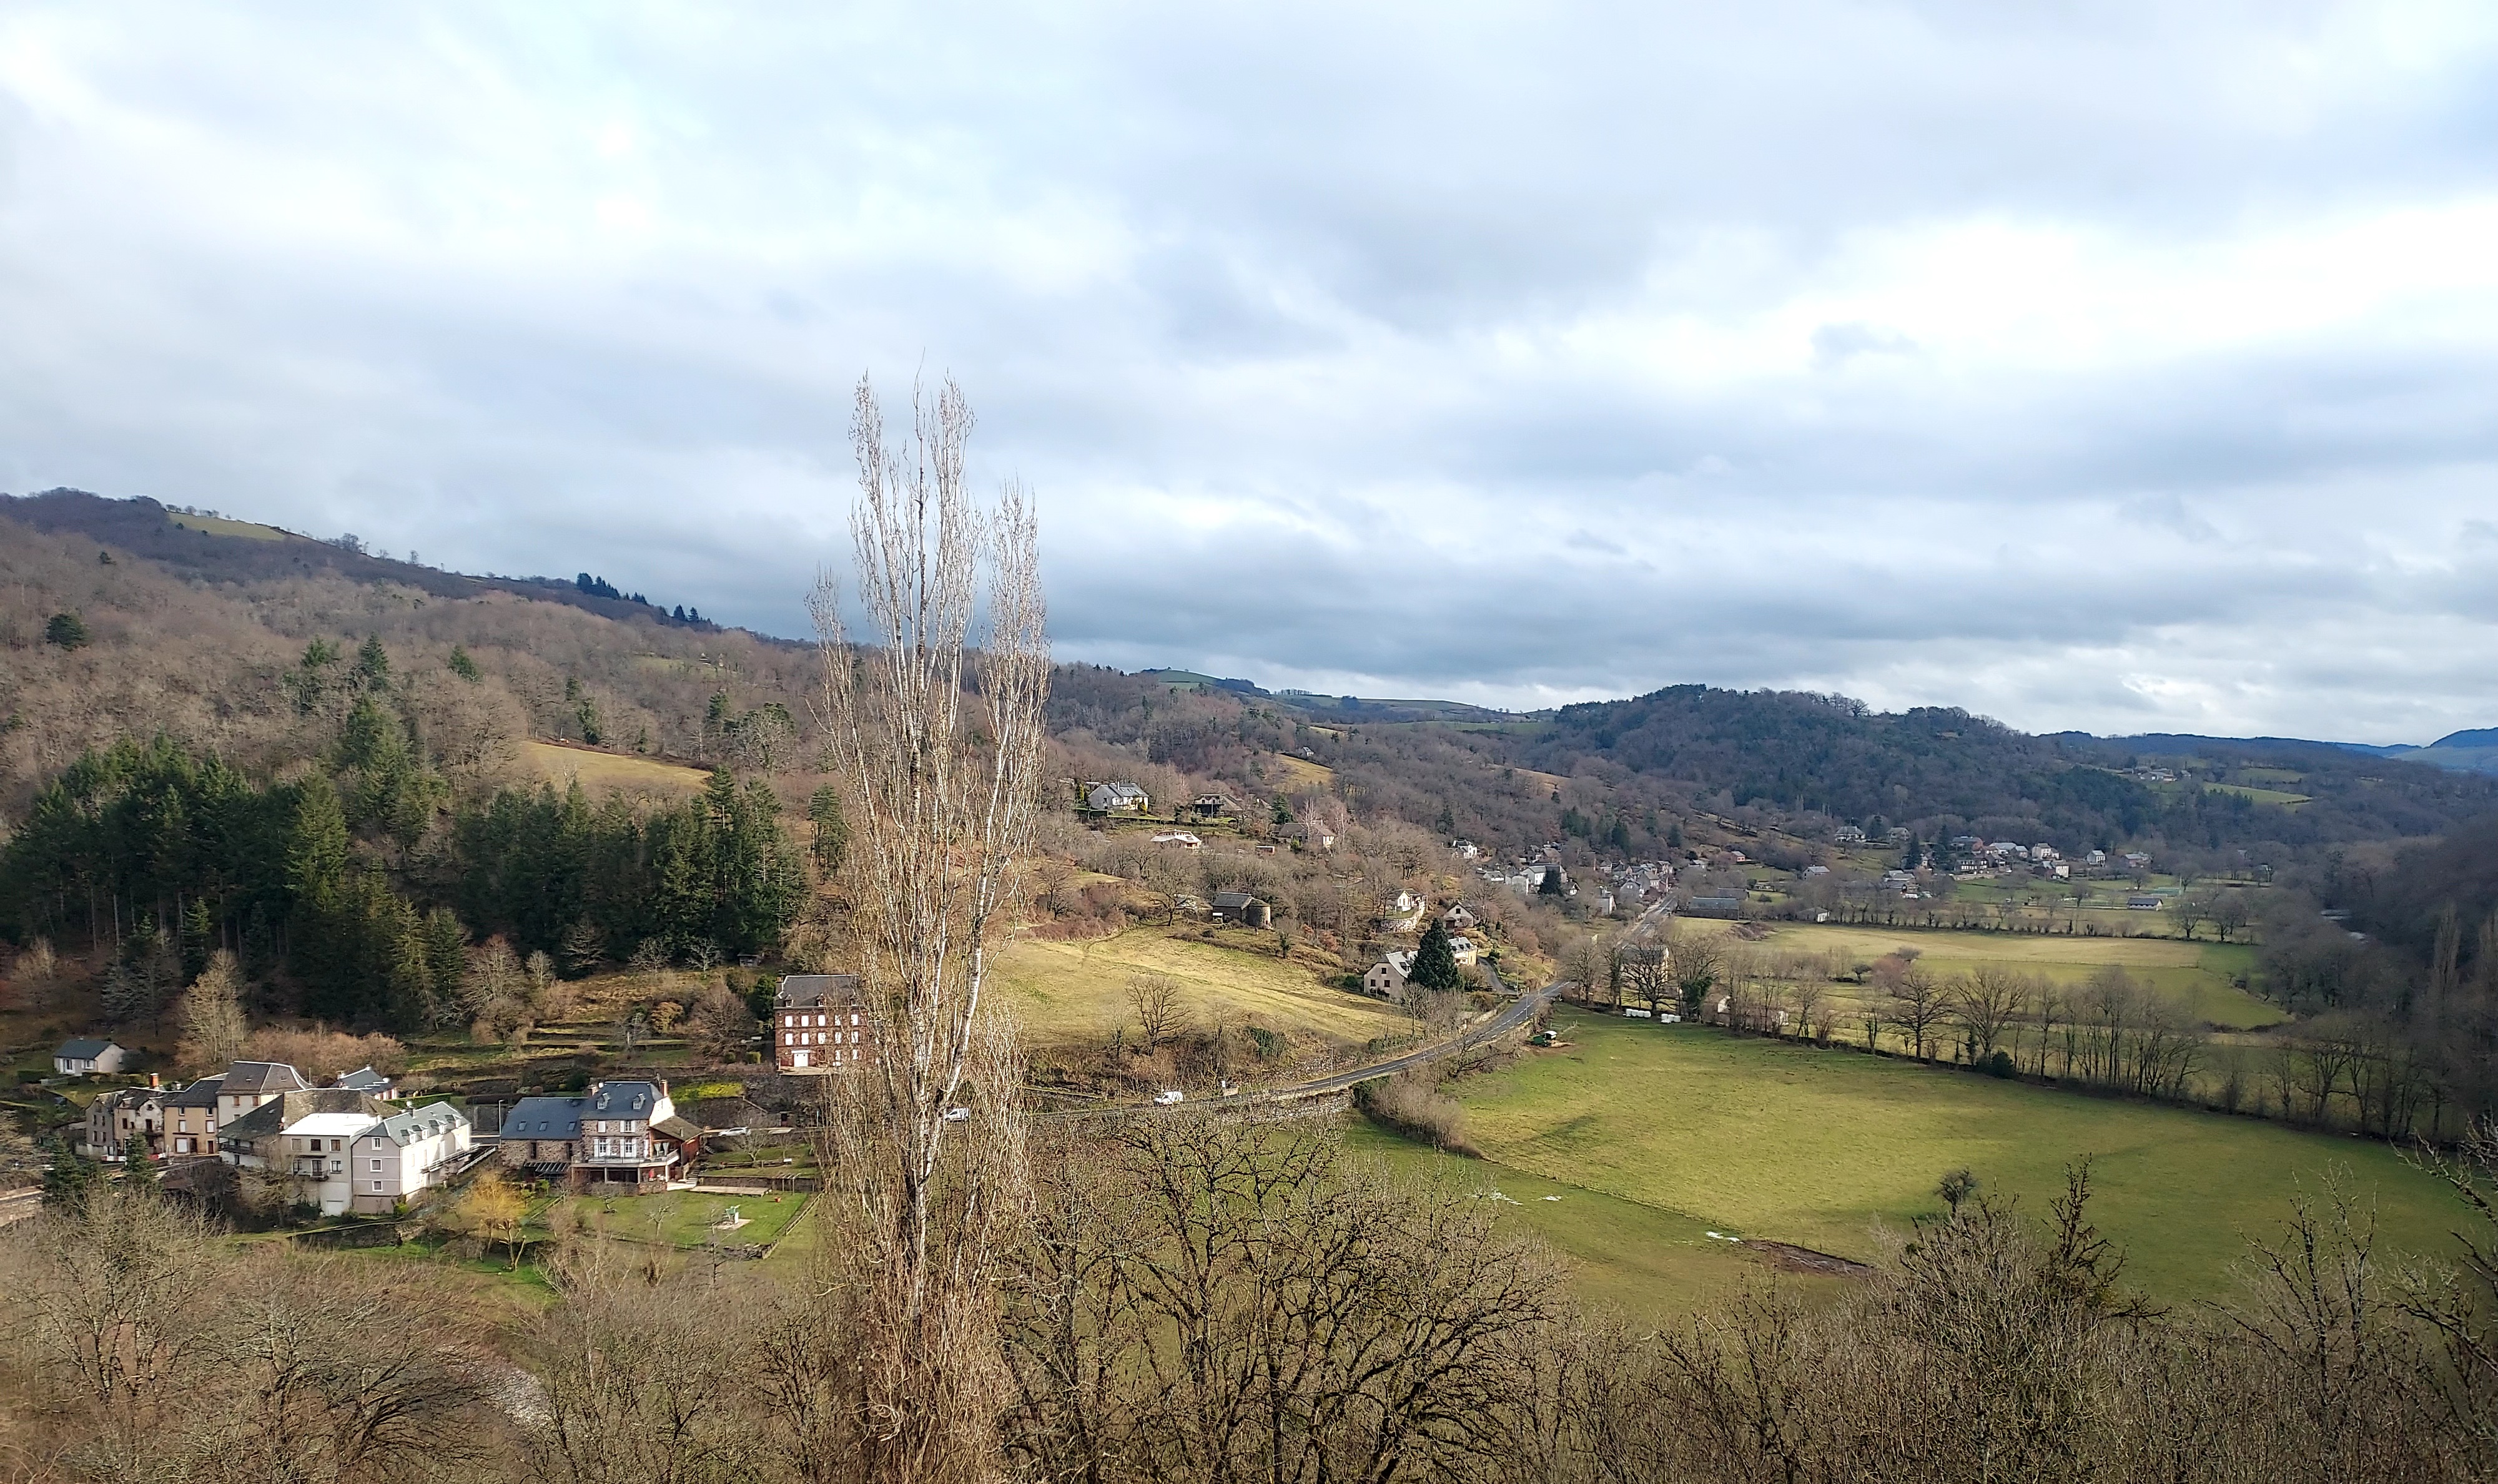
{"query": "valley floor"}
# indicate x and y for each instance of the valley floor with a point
(1653, 1136)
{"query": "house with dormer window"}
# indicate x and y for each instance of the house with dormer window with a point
(618, 1138)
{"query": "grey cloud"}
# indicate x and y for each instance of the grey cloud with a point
(1342, 347)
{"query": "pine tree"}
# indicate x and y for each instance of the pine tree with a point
(462, 665)
(1435, 963)
(373, 665)
(832, 837)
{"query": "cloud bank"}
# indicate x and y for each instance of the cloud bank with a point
(2127, 367)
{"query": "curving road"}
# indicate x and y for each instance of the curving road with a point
(1490, 1029)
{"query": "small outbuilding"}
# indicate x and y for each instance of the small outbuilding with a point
(84, 1058)
(1242, 908)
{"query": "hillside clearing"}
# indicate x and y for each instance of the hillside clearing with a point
(1771, 1140)
(610, 773)
(1077, 990)
(219, 525)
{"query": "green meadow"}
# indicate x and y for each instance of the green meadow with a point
(1656, 1135)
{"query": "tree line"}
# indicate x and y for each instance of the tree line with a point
(359, 888)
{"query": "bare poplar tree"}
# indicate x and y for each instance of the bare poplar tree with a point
(934, 718)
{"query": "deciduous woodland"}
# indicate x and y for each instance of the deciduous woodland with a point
(503, 843)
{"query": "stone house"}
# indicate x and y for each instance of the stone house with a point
(619, 1137)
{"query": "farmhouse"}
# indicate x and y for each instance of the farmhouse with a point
(1116, 799)
(1242, 908)
(1457, 919)
(88, 1058)
(819, 1023)
(1385, 979)
(1314, 836)
(1214, 806)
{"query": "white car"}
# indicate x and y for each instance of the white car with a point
(958, 1115)
(1167, 1096)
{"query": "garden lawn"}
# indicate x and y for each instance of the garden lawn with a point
(683, 1217)
(1077, 991)
(1790, 1143)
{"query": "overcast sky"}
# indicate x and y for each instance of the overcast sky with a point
(2124, 366)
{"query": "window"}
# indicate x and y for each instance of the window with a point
(377, 1188)
(377, 1167)
(854, 1018)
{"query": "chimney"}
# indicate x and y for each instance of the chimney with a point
(155, 1083)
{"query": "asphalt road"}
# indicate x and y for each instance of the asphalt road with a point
(1516, 1014)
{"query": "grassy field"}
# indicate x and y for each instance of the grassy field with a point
(219, 525)
(610, 772)
(1301, 771)
(1775, 1141)
(1074, 991)
(1650, 1263)
(2198, 976)
(2288, 801)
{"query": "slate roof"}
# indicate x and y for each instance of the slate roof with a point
(624, 1099)
(83, 1048)
(262, 1078)
(1232, 901)
(286, 1109)
(678, 1128)
(817, 992)
(406, 1128)
(202, 1094)
(362, 1078)
(560, 1117)
(544, 1118)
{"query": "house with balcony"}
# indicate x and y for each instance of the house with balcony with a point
(312, 1150)
(404, 1154)
(619, 1138)
(257, 1140)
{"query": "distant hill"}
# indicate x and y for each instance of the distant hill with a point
(199, 628)
(242, 551)
(1940, 770)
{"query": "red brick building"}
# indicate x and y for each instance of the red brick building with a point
(819, 1023)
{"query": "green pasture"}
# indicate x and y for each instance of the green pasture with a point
(1641, 1260)
(2285, 800)
(1789, 1143)
(2198, 976)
